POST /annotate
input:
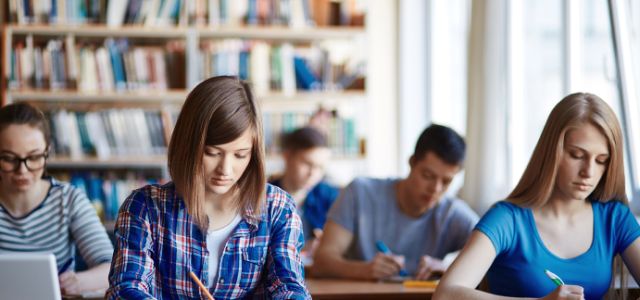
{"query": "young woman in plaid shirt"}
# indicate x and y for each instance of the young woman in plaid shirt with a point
(218, 218)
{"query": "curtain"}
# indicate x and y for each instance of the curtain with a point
(486, 167)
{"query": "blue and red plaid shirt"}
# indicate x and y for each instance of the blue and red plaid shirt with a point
(158, 244)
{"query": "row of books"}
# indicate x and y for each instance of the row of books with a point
(114, 65)
(108, 190)
(340, 131)
(294, 13)
(280, 67)
(108, 133)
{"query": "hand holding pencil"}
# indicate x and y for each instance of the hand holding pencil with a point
(382, 247)
(563, 291)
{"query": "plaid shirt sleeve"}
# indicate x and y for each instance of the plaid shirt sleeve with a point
(285, 272)
(131, 274)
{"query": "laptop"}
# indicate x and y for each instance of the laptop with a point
(26, 276)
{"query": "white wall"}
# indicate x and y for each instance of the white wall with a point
(382, 124)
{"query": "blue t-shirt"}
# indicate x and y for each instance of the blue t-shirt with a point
(315, 207)
(522, 257)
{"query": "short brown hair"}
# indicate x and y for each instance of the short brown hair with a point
(217, 111)
(303, 138)
(25, 114)
(538, 180)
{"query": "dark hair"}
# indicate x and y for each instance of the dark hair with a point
(303, 138)
(442, 141)
(217, 111)
(23, 113)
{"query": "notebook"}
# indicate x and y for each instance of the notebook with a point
(29, 276)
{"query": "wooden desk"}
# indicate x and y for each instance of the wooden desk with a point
(333, 289)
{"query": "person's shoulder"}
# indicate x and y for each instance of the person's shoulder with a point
(275, 180)
(65, 192)
(62, 186)
(154, 196)
(507, 206)
(369, 183)
(325, 188)
(278, 203)
(325, 185)
(611, 208)
(277, 198)
(506, 210)
(609, 205)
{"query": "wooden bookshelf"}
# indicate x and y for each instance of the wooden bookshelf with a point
(281, 33)
(174, 96)
(115, 162)
(242, 32)
(193, 38)
(87, 30)
(303, 101)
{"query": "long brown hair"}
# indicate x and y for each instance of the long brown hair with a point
(217, 111)
(538, 180)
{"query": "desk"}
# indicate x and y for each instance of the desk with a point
(332, 289)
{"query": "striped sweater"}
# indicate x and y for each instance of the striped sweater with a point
(65, 218)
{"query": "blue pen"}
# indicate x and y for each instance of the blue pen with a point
(65, 266)
(384, 249)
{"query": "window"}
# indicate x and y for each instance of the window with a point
(541, 84)
(634, 124)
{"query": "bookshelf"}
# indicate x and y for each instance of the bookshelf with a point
(92, 163)
(191, 35)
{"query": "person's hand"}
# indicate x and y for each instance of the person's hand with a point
(429, 266)
(317, 235)
(310, 248)
(70, 283)
(384, 266)
(566, 292)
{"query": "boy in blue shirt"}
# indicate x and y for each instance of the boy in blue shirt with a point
(305, 153)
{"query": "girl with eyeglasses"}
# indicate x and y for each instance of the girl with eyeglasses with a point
(41, 214)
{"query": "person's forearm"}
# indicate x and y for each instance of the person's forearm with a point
(95, 278)
(465, 293)
(324, 266)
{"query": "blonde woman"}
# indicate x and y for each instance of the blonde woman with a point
(218, 218)
(568, 215)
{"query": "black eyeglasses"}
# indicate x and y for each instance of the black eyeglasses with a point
(10, 163)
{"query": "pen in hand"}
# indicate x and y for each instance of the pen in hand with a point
(555, 278)
(384, 249)
(65, 266)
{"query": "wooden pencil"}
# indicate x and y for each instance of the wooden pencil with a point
(202, 287)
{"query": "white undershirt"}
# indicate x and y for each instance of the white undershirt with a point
(216, 240)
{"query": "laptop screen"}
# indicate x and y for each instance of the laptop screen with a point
(29, 276)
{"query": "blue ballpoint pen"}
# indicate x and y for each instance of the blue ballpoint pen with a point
(65, 266)
(384, 249)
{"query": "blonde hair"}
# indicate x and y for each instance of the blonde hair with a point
(217, 111)
(538, 180)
